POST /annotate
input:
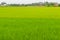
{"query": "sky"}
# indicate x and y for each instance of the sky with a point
(27, 1)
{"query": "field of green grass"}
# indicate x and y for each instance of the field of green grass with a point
(30, 12)
(29, 23)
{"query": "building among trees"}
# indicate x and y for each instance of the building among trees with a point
(3, 4)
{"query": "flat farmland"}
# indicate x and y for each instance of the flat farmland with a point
(29, 23)
(30, 12)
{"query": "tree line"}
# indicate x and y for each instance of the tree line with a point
(45, 4)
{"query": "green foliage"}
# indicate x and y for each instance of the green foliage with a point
(30, 12)
(29, 29)
(30, 23)
(59, 5)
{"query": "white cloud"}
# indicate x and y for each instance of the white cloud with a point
(21, 1)
(27, 1)
(53, 1)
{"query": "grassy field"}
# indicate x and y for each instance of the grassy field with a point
(29, 23)
(30, 12)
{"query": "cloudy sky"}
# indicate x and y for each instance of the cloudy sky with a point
(27, 1)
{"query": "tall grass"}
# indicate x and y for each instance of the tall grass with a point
(29, 23)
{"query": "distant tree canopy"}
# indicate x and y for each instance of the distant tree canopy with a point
(13, 4)
(47, 4)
